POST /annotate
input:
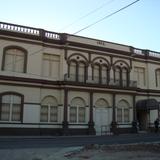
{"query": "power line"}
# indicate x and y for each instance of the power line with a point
(86, 15)
(107, 16)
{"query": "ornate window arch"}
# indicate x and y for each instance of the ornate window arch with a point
(14, 59)
(101, 102)
(121, 72)
(100, 70)
(77, 112)
(49, 109)
(11, 107)
(77, 67)
(123, 109)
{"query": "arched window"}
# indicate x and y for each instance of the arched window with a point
(14, 59)
(11, 108)
(96, 73)
(157, 77)
(72, 70)
(81, 72)
(117, 75)
(77, 111)
(105, 74)
(124, 77)
(123, 112)
(49, 110)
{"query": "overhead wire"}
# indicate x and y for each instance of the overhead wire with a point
(87, 14)
(105, 17)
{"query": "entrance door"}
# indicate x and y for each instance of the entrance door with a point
(142, 117)
(101, 120)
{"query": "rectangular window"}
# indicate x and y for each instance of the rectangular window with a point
(51, 66)
(139, 74)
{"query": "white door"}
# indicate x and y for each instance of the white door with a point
(101, 120)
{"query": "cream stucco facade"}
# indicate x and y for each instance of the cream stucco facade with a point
(61, 84)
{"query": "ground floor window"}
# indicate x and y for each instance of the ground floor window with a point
(123, 112)
(77, 111)
(49, 110)
(77, 114)
(11, 108)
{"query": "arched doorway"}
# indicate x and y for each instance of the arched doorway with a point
(147, 112)
(101, 116)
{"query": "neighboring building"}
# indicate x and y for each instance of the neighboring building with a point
(62, 84)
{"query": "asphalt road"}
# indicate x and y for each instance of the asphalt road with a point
(71, 141)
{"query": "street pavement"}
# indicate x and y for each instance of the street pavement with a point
(17, 142)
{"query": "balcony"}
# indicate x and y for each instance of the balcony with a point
(97, 80)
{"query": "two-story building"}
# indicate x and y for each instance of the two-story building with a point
(61, 84)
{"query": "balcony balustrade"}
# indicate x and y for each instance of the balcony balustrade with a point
(97, 80)
(29, 31)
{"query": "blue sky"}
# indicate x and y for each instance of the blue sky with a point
(138, 25)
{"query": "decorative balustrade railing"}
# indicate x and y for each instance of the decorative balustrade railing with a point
(138, 51)
(56, 36)
(146, 52)
(29, 31)
(154, 54)
(97, 80)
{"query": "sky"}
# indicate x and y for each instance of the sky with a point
(137, 25)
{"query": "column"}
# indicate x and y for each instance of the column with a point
(114, 123)
(65, 113)
(134, 122)
(91, 130)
